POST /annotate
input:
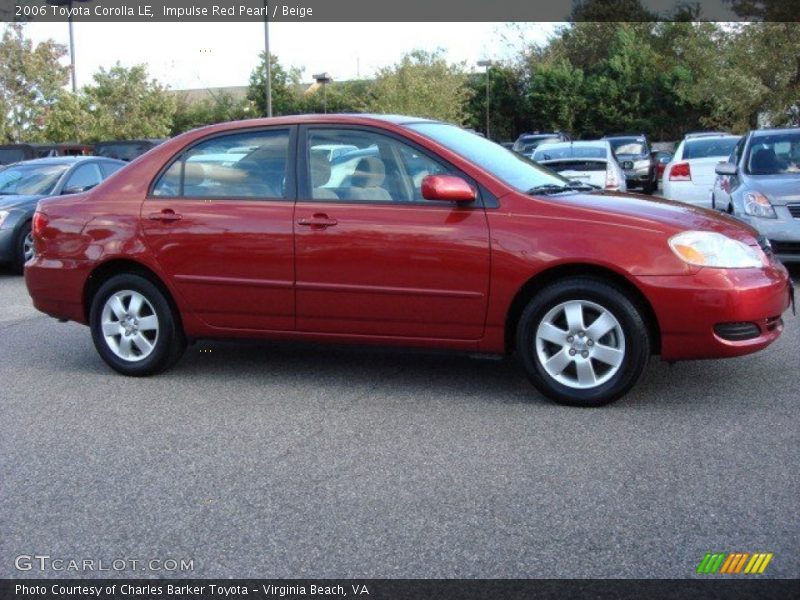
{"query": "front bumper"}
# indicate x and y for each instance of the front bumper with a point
(688, 308)
(782, 232)
(8, 239)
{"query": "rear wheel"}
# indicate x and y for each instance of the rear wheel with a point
(133, 326)
(583, 342)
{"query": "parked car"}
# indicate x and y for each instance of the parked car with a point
(690, 175)
(634, 154)
(700, 134)
(760, 184)
(527, 142)
(13, 153)
(23, 184)
(590, 162)
(125, 150)
(488, 253)
(45, 150)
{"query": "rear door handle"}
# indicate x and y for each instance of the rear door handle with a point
(165, 215)
(318, 221)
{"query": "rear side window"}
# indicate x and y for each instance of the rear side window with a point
(240, 165)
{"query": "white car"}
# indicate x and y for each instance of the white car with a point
(689, 177)
(591, 162)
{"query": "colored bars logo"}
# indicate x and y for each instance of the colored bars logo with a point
(734, 563)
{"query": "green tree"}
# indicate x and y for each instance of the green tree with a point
(506, 102)
(422, 84)
(340, 97)
(31, 79)
(220, 108)
(284, 84)
(555, 99)
(126, 104)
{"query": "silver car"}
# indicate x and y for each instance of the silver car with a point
(760, 184)
(591, 162)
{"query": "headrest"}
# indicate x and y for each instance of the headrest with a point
(370, 172)
(193, 174)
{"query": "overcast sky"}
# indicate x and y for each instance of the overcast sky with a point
(195, 55)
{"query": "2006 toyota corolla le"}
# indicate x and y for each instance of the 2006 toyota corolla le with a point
(418, 233)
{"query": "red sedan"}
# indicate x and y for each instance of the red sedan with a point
(399, 231)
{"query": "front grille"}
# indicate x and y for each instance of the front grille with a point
(736, 332)
(794, 210)
(785, 247)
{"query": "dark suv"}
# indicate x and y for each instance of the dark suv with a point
(527, 142)
(634, 154)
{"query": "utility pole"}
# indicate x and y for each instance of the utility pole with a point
(268, 86)
(487, 64)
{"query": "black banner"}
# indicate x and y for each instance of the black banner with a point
(416, 589)
(396, 10)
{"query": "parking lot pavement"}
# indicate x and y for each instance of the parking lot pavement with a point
(279, 460)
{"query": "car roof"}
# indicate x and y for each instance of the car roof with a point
(763, 132)
(66, 160)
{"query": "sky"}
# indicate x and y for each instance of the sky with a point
(201, 55)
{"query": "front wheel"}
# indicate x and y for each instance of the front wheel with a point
(133, 326)
(24, 248)
(583, 342)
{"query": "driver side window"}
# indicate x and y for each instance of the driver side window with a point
(362, 166)
(84, 178)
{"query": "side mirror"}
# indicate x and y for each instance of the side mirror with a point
(726, 168)
(448, 188)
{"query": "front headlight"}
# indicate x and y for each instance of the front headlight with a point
(757, 205)
(711, 249)
(3, 215)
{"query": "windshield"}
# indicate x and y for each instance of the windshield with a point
(775, 154)
(551, 152)
(30, 180)
(511, 168)
(635, 146)
(709, 147)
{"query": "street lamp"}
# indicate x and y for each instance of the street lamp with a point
(323, 79)
(487, 64)
(268, 85)
(68, 4)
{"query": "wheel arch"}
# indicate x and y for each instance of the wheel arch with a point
(118, 266)
(563, 271)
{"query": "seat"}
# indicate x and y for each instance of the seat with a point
(765, 162)
(367, 179)
(320, 175)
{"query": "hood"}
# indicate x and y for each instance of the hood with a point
(779, 189)
(9, 202)
(658, 213)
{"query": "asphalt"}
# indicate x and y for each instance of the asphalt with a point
(281, 460)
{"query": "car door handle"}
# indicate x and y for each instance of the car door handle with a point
(318, 221)
(165, 215)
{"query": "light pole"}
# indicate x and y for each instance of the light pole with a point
(68, 4)
(487, 64)
(323, 79)
(268, 85)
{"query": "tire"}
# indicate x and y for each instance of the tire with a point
(141, 341)
(626, 342)
(23, 248)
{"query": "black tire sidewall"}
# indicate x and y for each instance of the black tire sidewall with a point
(637, 347)
(168, 335)
(19, 247)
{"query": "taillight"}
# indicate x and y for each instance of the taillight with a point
(39, 224)
(680, 172)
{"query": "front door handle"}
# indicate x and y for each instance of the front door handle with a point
(318, 221)
(165, 215)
